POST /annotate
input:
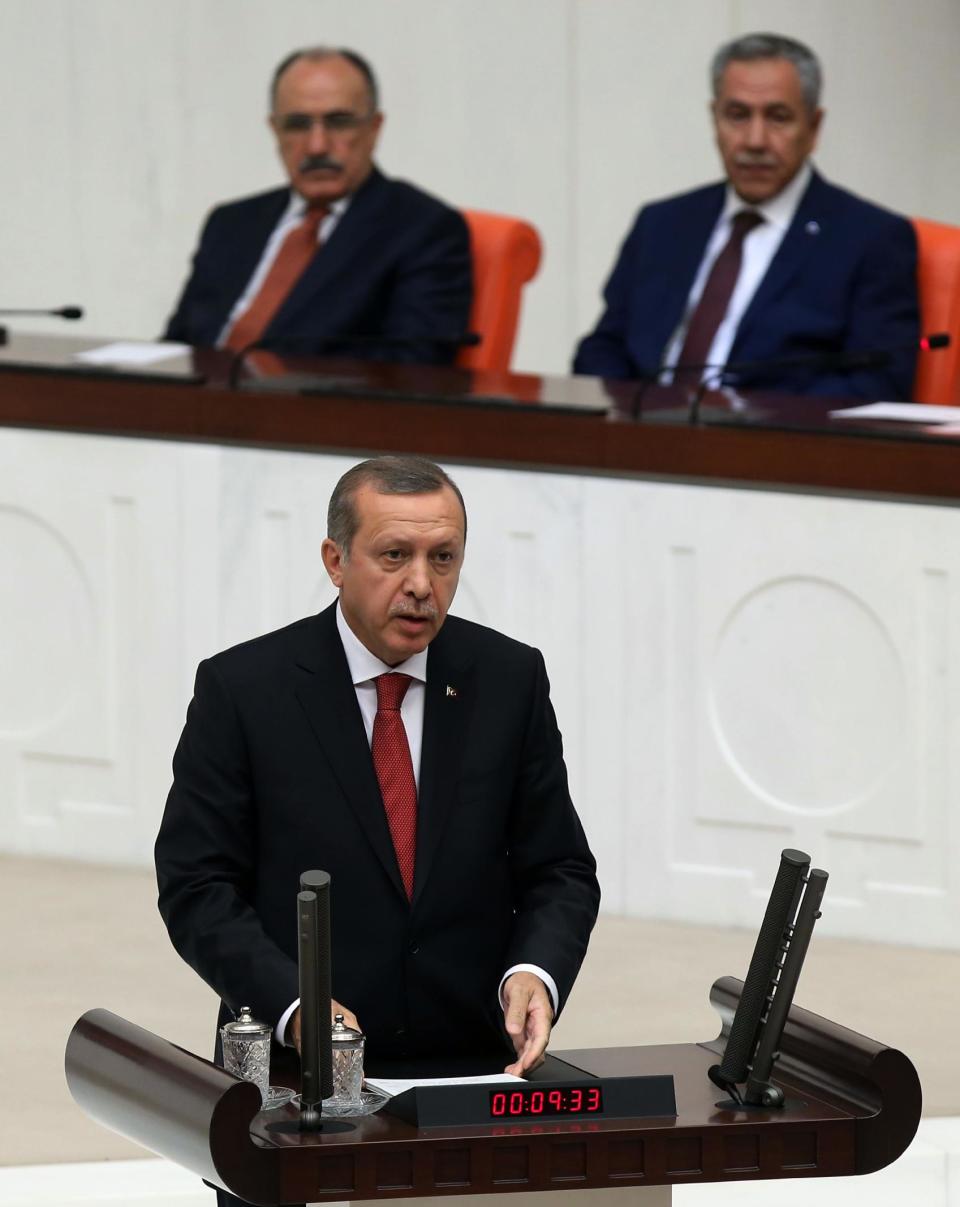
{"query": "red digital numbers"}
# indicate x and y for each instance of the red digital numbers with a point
(571, 1100)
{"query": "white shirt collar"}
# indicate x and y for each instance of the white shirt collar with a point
(297, 206)
(365, 666)
(779, 211)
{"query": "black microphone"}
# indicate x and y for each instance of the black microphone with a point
(837, 361)
(63, 312)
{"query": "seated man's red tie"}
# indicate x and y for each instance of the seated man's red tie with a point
(394, 768)
(297, 251)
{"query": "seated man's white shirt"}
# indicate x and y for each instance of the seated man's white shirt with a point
(759, 248)
(364, 668)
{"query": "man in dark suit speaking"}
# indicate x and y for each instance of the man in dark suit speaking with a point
(773, 264)
(414, 757)
(345, 260)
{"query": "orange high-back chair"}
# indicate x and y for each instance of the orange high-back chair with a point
(506, 255)
(938, 277)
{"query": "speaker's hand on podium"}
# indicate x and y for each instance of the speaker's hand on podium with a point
(293, 1027)
(528, 1013)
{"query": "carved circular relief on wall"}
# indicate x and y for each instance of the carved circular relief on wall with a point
(46, 624)
(807, 696)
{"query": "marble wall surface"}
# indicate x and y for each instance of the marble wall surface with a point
(735, 671)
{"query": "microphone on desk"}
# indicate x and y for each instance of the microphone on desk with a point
(62, 312)
(841, 362)
(468, 339)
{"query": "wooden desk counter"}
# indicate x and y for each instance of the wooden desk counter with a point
(579, 424)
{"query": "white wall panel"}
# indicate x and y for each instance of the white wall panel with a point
(733, 671)
(803, 654)
(89, 531)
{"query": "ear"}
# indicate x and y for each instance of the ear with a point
(816, 122)
(333, 561)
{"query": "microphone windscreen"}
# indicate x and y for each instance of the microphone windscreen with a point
(70, 312)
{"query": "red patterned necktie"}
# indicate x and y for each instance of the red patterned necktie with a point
(716, 296)
(394, 768)
(296, 252)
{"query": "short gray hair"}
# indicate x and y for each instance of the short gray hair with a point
(399, 475)
(317, 54)
(771, 46)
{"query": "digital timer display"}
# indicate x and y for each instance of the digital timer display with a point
(531, 1103)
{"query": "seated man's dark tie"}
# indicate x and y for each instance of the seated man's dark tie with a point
(715, 298)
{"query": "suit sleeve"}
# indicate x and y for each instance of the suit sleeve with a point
(554, 873)
(429, 303)
(206, 865)
(884, 314)
(604, 352)
(199, 293)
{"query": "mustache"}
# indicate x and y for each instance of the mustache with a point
(746, 160)
(314, 163)
(423, 611)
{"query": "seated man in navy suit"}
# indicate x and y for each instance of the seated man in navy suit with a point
(775, 264)
(344, 261)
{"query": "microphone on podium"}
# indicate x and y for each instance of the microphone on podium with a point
(839, 362)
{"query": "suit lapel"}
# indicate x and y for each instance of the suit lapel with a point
(686, 251)
(359, 224)
(448, 709)
(329, 699)
(798, 243)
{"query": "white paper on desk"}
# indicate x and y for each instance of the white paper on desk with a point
(901, 412)
(395, 1085)
(129, 353)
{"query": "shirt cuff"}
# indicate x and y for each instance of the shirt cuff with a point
(544, 976)
(281, 1028)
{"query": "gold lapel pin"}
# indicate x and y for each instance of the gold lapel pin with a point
(451, 691)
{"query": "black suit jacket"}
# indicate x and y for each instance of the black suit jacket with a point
(273, 775)
(392, 282)
(844, 279)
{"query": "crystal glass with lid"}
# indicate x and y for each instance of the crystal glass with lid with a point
(246, 1054)
(347, 1052)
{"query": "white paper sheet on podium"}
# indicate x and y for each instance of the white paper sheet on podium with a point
(131, 353)
(395, 1085)
(900, 412)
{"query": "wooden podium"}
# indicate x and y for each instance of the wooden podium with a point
(852, 1107)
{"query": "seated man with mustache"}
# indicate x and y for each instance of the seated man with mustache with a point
(344, 261)
(774, 269)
